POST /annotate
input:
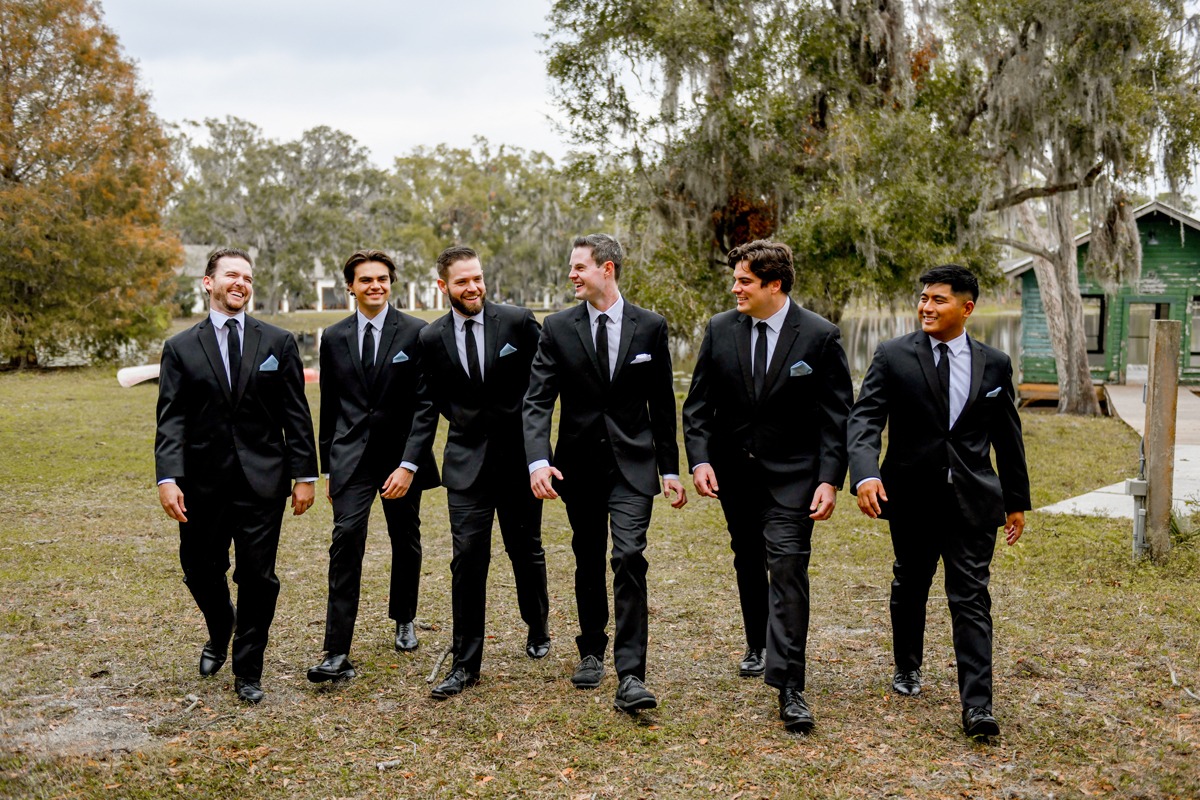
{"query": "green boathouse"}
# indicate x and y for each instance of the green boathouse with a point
(1118, 324)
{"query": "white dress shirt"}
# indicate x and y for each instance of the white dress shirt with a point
(774, 326)
(960, 371)
(460, 339)
(377, 324)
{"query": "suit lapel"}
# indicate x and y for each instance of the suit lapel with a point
(924, 354)
(783, 346)
(978, 362)
(582, 328)
(741, 343)
(491, 340)
(249, 355)
(391, 324)
(352, 352)
(629, 323)
(208, 342)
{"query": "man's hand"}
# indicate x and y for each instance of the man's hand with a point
(705, 480)
(673, 485)
(302, 497)
(1014, 526)
(869, 496)
(397, 483)
(540, 482)
(824, 499)
(171, 497)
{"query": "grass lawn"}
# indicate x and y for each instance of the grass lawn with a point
(99, 694)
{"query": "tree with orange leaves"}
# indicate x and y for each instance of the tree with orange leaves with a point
(85, 172)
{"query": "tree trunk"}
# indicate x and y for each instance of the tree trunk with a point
(1058, 280)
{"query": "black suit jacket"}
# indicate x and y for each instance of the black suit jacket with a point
(796, 432)
(371, 419)
(482, 420)
(633, 416)
(901, 391)
(263, 427)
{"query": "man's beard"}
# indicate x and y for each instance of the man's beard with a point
(464, 309)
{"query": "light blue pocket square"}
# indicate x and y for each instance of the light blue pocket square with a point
(507, 350)
(641, 358)
(270, 365)
(798, 369)
(993, 392)
(400, 357)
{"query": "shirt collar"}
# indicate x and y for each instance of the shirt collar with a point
(775, 321)
(377, 323)
(219, 319)
(460, 318)
(958, 345)
(614, 311)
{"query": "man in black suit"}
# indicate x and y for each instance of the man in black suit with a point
(370, 388)
(609, 362)
(234, 432)
(476, 361)
(947, 401)
(765, 430)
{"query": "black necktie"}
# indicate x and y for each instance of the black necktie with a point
(368, 350)
(760, 360)
(472, 353)
(943, 372)
(602, 345)
(235, 353)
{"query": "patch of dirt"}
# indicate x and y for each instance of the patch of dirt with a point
(48, 727)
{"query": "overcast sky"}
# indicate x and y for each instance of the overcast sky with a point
(393, 75)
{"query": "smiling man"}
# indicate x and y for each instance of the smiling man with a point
(370, 391)
(765, 429)
(234, 432)
(477, 360)
(947, 401)
(609, 362)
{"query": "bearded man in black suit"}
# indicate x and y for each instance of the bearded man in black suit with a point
(370, 392)
(476, 361)
(947, 401)
(234, 438)
(765, 429)
(609, 362)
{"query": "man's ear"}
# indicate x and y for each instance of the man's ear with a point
(609, 268)
(442, 287)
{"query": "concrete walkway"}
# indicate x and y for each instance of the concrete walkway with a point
(1111, 501)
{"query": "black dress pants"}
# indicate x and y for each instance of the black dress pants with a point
(351, 513)
(966, 555)
(598, 504)
(502, 490)
(772, 545)
(233, 514)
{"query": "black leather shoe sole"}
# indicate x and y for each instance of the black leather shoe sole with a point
(799, 725)
(248, 691)
(318, 675)
(751, 672)
(640, 704)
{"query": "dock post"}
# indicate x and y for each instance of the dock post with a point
(1162, 398)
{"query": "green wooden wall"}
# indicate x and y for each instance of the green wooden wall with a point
(1170, 275)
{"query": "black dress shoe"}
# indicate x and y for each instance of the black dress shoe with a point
(210, 660)
(248, 690)
(406, 637)
(907, 683)
(458, 680)
(794, 711)
(335, 667)
(537, 646)
(754, 663)
(979, 722)
(588, 674)
(632, 695)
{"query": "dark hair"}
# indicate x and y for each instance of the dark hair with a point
(960, 279)
(769, 261)
(604, 248)
(225, 252)
(366, 256)
(451, 256)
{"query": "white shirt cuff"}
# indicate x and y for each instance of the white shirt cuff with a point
(535, 466)
(166, 480)
(864, 480)
(306, 480)
(408, 465)
(670, 477)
